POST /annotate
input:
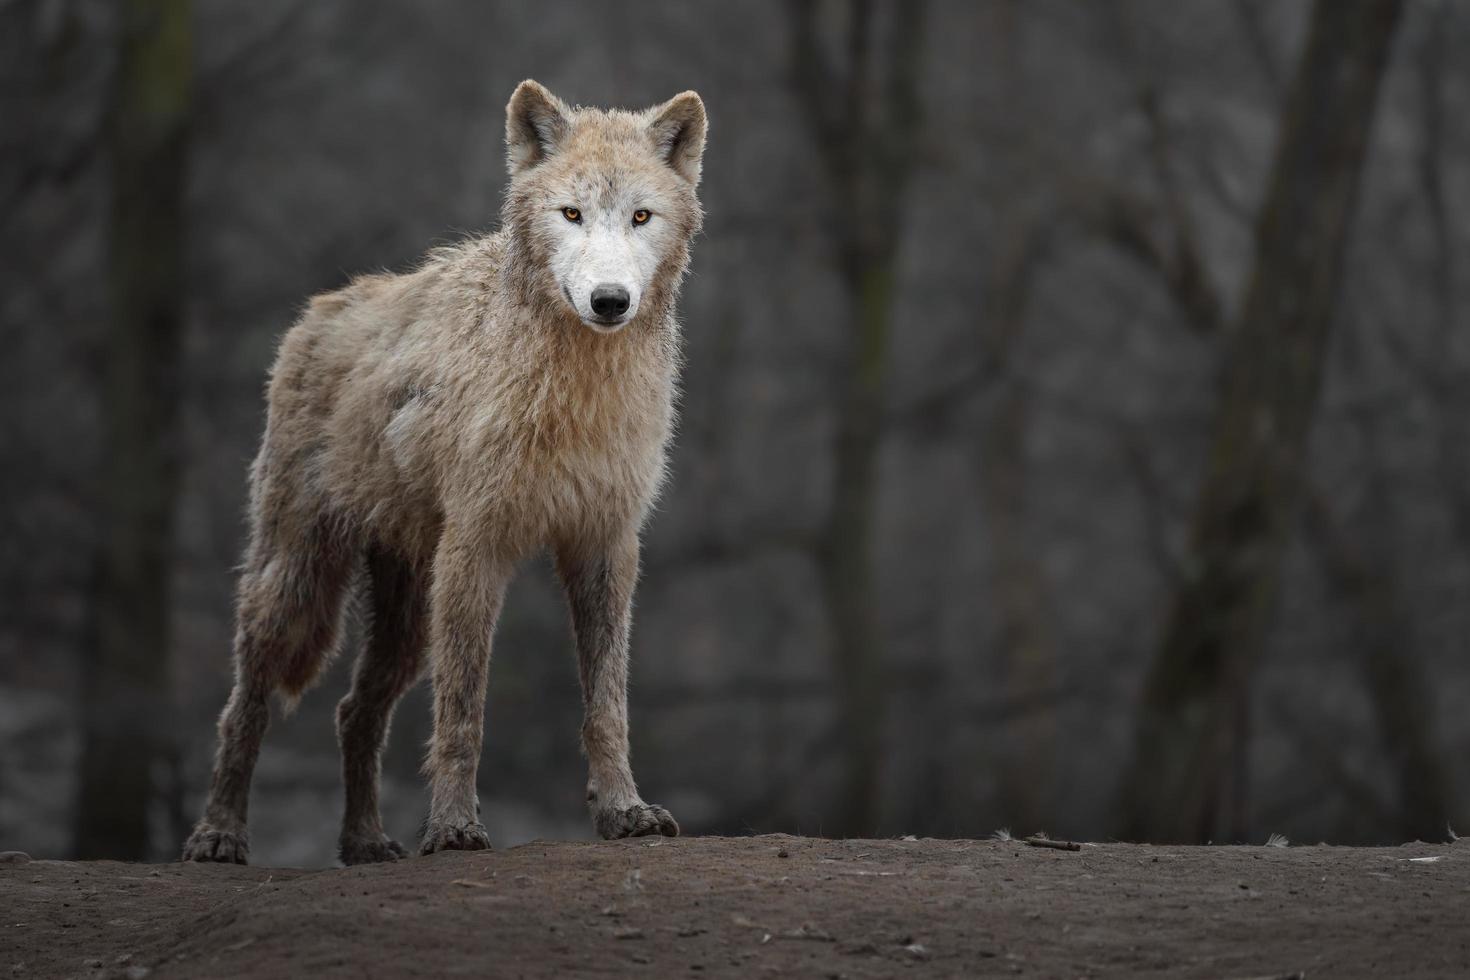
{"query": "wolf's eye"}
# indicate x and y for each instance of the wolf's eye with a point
(641, 216)
(572, 214)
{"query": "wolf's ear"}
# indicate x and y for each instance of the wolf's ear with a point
(535, 124)
(678, 128)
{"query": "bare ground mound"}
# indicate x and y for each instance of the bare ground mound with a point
(761, 905)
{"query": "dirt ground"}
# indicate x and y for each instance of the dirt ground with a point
(785, 906)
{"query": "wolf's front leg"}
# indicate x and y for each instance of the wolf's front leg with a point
(599, 583)
(466, 596)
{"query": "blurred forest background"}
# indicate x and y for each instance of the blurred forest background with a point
(1076, 430)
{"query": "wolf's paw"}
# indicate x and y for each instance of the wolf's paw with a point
(370, 849)
(459, 837)
(639, 820)
(225, 846)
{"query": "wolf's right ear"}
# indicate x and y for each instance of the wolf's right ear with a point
(535, 124)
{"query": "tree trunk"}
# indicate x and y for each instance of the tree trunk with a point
(865, 130)
(1026, 654)
(847, 560)
(1217, 622)
(125, 689)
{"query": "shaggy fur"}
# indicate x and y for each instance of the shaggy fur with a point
(436, 427)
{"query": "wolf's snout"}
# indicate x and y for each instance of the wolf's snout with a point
(609, 301)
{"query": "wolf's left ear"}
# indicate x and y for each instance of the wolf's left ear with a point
(535, 124)
(678, 128)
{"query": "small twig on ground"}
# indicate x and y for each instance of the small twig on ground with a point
(1057, 845)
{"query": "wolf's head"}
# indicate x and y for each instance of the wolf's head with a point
(602, 203)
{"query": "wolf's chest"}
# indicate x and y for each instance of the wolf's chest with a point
(597, 446)
(561, 450)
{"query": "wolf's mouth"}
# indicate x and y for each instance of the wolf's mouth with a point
(607, 324)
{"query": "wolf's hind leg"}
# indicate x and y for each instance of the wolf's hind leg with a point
(599, 585)
(388, 666)
(221, 835)
(289, 615)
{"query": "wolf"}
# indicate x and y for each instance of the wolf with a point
(427, 431)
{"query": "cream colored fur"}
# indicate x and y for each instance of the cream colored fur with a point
(436, 428)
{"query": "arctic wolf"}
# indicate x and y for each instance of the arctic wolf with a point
(427, 431)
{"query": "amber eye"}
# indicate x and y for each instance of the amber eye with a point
(641, 216)
(572, 214)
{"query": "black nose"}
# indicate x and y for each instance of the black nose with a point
(609, 300)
